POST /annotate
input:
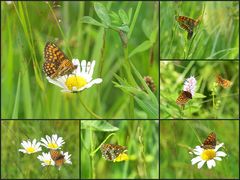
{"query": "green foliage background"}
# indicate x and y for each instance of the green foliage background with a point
(16, 165)
(177, 136)
(217, 35)
(141, 138)
(226, 101)
(27, 26)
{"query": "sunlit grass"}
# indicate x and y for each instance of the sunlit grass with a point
(216, 36)
(27, 26)
(177, 137)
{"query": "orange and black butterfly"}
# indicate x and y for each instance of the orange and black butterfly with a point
(57, 157)
(111, 152)
(56, 62)
(187, 24)
(223, 82)
(210, 141)
(183, 98)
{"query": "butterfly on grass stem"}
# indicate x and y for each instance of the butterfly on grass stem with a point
(56, 62)
(187, 24)
(223, 82)
(210, 141)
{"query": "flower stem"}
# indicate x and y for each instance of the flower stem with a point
(89, 110)
(92, 157)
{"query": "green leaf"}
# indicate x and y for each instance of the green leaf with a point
(199, 96)
(130, 14)
(98, 126)
(102, 13)
(142, 47)
(148, 106)
(115, 18)
(17, 97)
(124, 28)
(153, 35)
(124, 17)
(90, 20)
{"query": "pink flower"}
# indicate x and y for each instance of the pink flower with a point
(190, 85)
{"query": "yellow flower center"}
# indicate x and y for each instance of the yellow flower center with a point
(75, 81)
(121, 157)
(48, 162)
(30, 150)
(52, 145)
(208, 154)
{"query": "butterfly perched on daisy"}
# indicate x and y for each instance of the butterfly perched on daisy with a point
(57, 157)
(115, 153)
(223, 82)
(187, 24)
(56, 62)
(210, 141)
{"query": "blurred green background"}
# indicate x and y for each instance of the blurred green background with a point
(141, 139)
(27, 26)
(177, 136)
(226, 101)
(217, 35)
(17, 165)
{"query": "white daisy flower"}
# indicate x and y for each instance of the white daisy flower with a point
(67, 156)
(207, 155)
(30, 147)
(190, 85)
(52, 143)
(46, 159)
(80, 79)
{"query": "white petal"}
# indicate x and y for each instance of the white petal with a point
(57, 83)
(29, 144)
(48, 139)
(44, 141)
(22, 150)
(221, 153)
(218, 158)
(88, 67)
(196, 160)
(24, 144)
(95, 81)
(218, 146)
(211, 163)
(92, 68)
(200, 164)
(83, 66)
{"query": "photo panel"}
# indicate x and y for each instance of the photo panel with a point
(119, 149)
(83, 59)
(199, 89)
(199, 30)
(199, 149)
(40, 149)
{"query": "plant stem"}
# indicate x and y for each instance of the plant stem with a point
(130, 80)
(134, 19)
(92, 157)
(89, 110)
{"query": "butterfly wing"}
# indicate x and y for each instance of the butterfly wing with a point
(183, 98)
(223, 82)
(111, 152)
(187, 24)
(56, 62)
(210, 141)
(57, 157)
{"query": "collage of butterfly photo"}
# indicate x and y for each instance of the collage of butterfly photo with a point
(120, 89)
